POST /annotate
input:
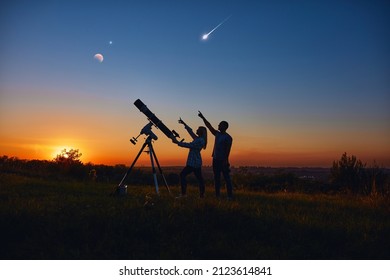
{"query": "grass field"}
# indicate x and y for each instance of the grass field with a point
(43, 219)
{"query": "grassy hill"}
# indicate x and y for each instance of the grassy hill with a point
(51, 219)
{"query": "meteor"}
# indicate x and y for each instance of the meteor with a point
(205, 36)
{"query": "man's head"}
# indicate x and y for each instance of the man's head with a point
(223, 126)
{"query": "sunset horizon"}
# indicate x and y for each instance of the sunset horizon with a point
(273, 160)
(299, 83)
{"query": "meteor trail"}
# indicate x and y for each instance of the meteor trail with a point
(205, 36)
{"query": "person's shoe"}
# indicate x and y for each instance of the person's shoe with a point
(181, 196)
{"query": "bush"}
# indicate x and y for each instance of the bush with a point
(348, 174)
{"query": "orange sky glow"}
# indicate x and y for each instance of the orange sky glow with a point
(299, 83)
(37, 134)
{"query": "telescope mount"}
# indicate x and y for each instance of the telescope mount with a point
(153, 158)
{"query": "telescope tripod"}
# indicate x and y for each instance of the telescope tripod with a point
(153, 157)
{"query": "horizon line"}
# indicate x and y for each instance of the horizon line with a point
(181, 166)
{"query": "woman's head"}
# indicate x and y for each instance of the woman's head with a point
(202, 132)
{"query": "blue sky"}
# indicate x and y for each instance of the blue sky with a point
(303, 80)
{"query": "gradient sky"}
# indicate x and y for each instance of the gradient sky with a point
(300, 82)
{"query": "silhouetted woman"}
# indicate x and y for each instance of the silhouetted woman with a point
(194, 159)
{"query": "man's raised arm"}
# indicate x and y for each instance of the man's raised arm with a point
(207, 123)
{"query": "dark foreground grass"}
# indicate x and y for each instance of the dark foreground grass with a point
(62, 220)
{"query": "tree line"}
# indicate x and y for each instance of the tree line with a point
(347, 175)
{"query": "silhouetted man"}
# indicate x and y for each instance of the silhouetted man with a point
(222, 145)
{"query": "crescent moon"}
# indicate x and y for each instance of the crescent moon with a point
(99, 57)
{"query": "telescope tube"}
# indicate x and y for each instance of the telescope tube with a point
(152, 117)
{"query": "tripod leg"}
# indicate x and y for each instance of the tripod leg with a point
(132, 165)
(153, 168)
(159, 168)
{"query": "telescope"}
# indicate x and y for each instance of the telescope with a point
(147, 130)
(153, 119)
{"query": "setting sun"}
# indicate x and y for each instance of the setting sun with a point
(58, 150)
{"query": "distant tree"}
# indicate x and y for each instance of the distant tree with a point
(348, 173)
(69, 163)
(70, 157)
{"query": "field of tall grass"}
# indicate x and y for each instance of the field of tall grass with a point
(51, 219)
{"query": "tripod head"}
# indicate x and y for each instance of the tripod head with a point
(146, 130)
